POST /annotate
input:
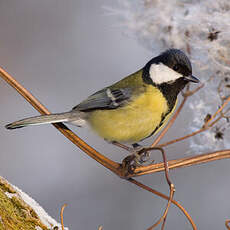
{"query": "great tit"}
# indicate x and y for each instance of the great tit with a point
(133, 108)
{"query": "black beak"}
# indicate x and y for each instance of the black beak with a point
(192, 79)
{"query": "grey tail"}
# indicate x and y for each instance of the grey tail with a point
(46, 119)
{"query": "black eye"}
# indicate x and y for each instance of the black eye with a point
(176, 67)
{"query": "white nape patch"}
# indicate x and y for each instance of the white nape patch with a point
(161, 73)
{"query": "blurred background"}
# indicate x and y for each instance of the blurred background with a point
(62, 52)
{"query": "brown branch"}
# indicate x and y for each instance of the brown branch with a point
(227, 222)
(183, 138)
(163, 218)
(190, 134)
(145, 187)
(172, 191)
(62, 218)
(106, 162)
(182, 162)
(218, 111)
(189, 93)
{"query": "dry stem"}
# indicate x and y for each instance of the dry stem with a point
(227, 224)
(172, 191)
(206, 126)
(61, 214)
(163, 218)
(218, 111)
(145, 187)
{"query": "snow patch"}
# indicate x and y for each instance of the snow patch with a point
(42, 214)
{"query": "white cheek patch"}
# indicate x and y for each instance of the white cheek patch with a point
(161, 73)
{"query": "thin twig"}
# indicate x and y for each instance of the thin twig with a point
(218, 111)
(227, 222)
(189, 93)
(206, 126)
(163, 218)
(183, 138)
(166, 169)
(61, 214)
(147, 188)
(171, 187)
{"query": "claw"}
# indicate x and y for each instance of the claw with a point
(128, 164)
(139, 157)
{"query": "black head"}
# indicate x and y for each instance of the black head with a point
(168, 67)
(170, 72)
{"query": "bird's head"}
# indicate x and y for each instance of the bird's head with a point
(169, 67)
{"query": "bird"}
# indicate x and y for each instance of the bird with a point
(132, 109)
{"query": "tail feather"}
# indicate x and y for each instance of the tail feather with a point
(43, 119)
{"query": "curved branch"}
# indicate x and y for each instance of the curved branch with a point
(182, 162)
(227, 224)
(139, 184)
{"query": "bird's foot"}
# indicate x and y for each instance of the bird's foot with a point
(129, 164)
(140, 157)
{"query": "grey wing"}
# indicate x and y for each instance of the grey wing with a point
(105, 99)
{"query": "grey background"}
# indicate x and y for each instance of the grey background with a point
(62, 51)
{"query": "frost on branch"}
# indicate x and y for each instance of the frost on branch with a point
(19, 211)
(202, 30)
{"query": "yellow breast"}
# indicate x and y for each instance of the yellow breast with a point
(133, 122)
